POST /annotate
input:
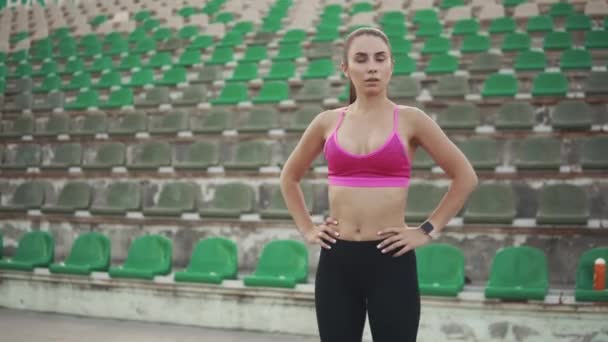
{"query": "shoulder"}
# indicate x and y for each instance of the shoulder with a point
(411, 117)
(326, 120)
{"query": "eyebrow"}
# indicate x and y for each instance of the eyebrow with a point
(365, 54)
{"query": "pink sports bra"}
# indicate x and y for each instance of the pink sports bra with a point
(388, 166)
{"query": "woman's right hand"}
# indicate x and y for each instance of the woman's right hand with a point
(323, 234)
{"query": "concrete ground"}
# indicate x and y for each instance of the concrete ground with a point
(27, 326)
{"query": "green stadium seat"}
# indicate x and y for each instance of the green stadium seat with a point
(151, 24)
(260, 120)
(151, 155)
(118, 98)
(46, 68)
(460, 116)
(118, 199)
(319, 68)
(596, 83)
(221, 55)
(232, 94)
(575, 59)
(254, 54)
(482, 152)
(572, 115)
(262, 37)
(486, 63)
(475, 44)
(584, 291)
(73, 66)
(550, 84)
(215, 122)
(130, 123)
(148, 256)
(100, 65)
(136, 35)
(187, 11)
(170, 123)
(142, 15)
(422, 200)
(442, 64)
(538, 153)
(172, 77)
(561, 9)
(188, 32)
(243, 27)
(108, 80)
(557, 41)
(91, 124)
(530, 61)
(250, 155)
(224, 17)
(500, 85)
(404, 65)
(49, 84)
(429, 29)
(230, 201)
(440, 269)
(73, 196)
(539, 23)
(272, 92)
(27, 195)
(78, 82)
(25, 155)
(515, 115)
(159, 60)
(562, 204)
(502, 25)
(67, 49)
(244, 72)
(293, 36)
(189, 58)
(64, 156)
(106, 156)
(289, 51)
(465, 27)
(201, 42)
(578, 22)
(596, 40)
(18, 127)
(493, 203)
(198, 155)
(327, 34)
(21, 71)
(516, 42)
(283, 263)
(129, 63)
(593, 156)
(451, 86)
(518, 273)
(400, 45)
(35, 249)
(281, 70)
(56, 124)
(163, 34)
(425, 15)
(213, 260)
(174, 199)
(141, 78)
(436, 45)
(90, 252)
(404, 87)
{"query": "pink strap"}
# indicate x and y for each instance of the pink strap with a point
(395, 119)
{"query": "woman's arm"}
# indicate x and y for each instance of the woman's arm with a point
(308, 148)
(452, 161)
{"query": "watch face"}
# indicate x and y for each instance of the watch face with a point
(427, 227)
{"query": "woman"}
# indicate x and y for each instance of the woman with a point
(367, 260)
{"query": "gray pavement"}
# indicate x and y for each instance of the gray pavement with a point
(27, 326)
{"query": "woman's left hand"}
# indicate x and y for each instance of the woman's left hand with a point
(404, 238)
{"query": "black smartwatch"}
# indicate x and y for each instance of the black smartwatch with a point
(428, 228)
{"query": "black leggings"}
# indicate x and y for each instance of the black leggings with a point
(354, 276)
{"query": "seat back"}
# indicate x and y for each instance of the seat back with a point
(35, 247)
(150, 252)
(440, 263)
(215, 254)
(519, 266)
(284, 257)
(90, 249)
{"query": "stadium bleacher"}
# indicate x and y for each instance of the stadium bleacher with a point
(169, 116)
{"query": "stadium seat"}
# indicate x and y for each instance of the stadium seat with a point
(500, 85)
(303, 117)
(274, 206)
(208, 74)
(169, 123)
(293, 36)
(153, 97)
(530, 61)
(18, 127)
(516, 42)
(191, 96)
(550, 84)
(283, 263)
(189, 58)
(436, 45)
(214, 122)
(172, 77)
(188, 32)
(22, 102)
(49, 84)
(593, 156)
(150, 155)
(492, 203)
(198, 155)
(281, 70)
(475, 44)
(486, 63)
(118, 98)
(72, 67)
(557, 41)
(72, 197)
(128, 124)
(319, 68)
(259, 120)
(213, 260)
(451, 86)
(148, 256)
(101, 64)
(575, 59)
(129, 63)
(313, 90)
(84, 100)
(55, 124)
(159, 60)
(596, 40)
(518, 273)
(254, 54)
(272, 92)
(465, 27)
(24, 156)
(578, 22)
(440, 268)
(596, 83)
(19, 86)
(460, 116)
(174, 199)
(483, 152)
(538, 153)
(572, 115)
(90, 252)
(108, 80)
(515, 116)
(429, 29)
(77, 82)
(404, 65)
(244, 72)
(584, 291)
(106, 156)
(90, 124)
(289, 51)
(141, 78)
(562, 204)
(21, 71)
(35, 249)
(221, 55)
(46, 68)
(27, 195)
(404, 87)
(249, 155)
(539, 24)
(64, 156)
(422, 200)
(230, 201)
(118, 199)
(201, 42)
(442, 64)
(232, 94)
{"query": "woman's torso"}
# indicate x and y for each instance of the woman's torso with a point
(362, 211)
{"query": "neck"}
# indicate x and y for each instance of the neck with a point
(369, 104)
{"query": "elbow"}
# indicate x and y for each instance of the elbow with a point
(286, 177)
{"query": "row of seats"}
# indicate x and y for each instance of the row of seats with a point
(510, 116)
(551, 85)
(516, 272)
(494, 203)
(533, 153)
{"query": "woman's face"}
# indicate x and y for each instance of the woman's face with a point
(369, 65)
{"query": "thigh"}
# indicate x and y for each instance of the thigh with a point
(394, 300)
(340, 305)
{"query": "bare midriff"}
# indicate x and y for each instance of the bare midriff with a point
(362, 211)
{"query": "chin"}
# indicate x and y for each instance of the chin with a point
(373, 91)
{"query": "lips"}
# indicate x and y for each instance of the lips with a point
(372, 80)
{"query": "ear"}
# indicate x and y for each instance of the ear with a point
(344, 68)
